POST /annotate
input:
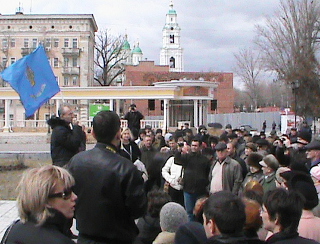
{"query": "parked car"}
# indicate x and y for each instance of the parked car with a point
(247, 128)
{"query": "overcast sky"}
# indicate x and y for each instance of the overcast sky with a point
(211, 30)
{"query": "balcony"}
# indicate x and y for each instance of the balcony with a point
(71, 71)
(71, 51)
(27, 50)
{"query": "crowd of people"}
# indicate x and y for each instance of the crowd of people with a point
(174, 187)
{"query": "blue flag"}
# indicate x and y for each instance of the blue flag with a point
(33, 79)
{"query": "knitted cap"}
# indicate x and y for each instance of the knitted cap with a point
(172, 215)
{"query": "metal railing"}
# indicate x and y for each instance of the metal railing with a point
(87, 123)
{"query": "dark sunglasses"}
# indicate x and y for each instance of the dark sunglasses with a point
(65, 195)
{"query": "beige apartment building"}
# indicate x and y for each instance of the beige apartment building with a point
(69, 43)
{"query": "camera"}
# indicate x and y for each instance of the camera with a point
(180, 144)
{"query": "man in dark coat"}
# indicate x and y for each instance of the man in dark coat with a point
(66, 139)
(133, 117)
(195, 179)
(109, 187)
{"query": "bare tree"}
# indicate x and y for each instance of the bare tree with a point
(289, 46)
(248, 68)
(110, 57)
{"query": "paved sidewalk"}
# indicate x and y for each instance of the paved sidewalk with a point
(8, 213)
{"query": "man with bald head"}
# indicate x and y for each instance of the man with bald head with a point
(66, 139)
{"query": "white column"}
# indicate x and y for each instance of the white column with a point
(205, 112)
(165, 114)
(200, 112)
(111, 104)
(6, 115)
(195, 113)
(118, 106)
(57, 106)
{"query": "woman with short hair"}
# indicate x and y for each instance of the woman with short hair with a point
(46, 204)
(128, 148)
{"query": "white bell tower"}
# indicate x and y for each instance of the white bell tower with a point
(171, 52)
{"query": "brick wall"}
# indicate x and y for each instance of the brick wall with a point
(147, 73)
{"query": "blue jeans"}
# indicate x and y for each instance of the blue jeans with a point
(190, 200)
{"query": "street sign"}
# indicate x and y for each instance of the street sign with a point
(96, 108)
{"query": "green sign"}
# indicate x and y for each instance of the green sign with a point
(96, 108)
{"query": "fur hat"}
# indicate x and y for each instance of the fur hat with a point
(253, 160)
(172, 215)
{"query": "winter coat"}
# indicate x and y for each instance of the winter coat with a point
(149, 228)
(269, 183)
(231, 175)
(292, 238)
(196, 170)
(233, 239)
(53, 231)
(172, 173)
(132, 154)
(110, 195)
(65, 142)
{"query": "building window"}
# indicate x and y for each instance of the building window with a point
(74, 62)
(66, 42)
(12, 60)
(55, 62)
(26, 43)
(34, 43)
(4, 42)
(171, 38)
(13, 42)
(152, 104)
(66, 62)
(66, 81)
(172, 62)
(213, 104)
(48, 42)
(56, 42)
(74, 43)
(4, 62)
(75, 80)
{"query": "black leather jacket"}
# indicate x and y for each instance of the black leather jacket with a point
(65, 143)
(53, 231)
(110, 195)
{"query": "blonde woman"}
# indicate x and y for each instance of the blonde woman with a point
(128, 148)
(46, 204)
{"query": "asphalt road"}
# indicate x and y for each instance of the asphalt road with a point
(24, 142)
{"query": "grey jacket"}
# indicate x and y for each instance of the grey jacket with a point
(231, 175)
